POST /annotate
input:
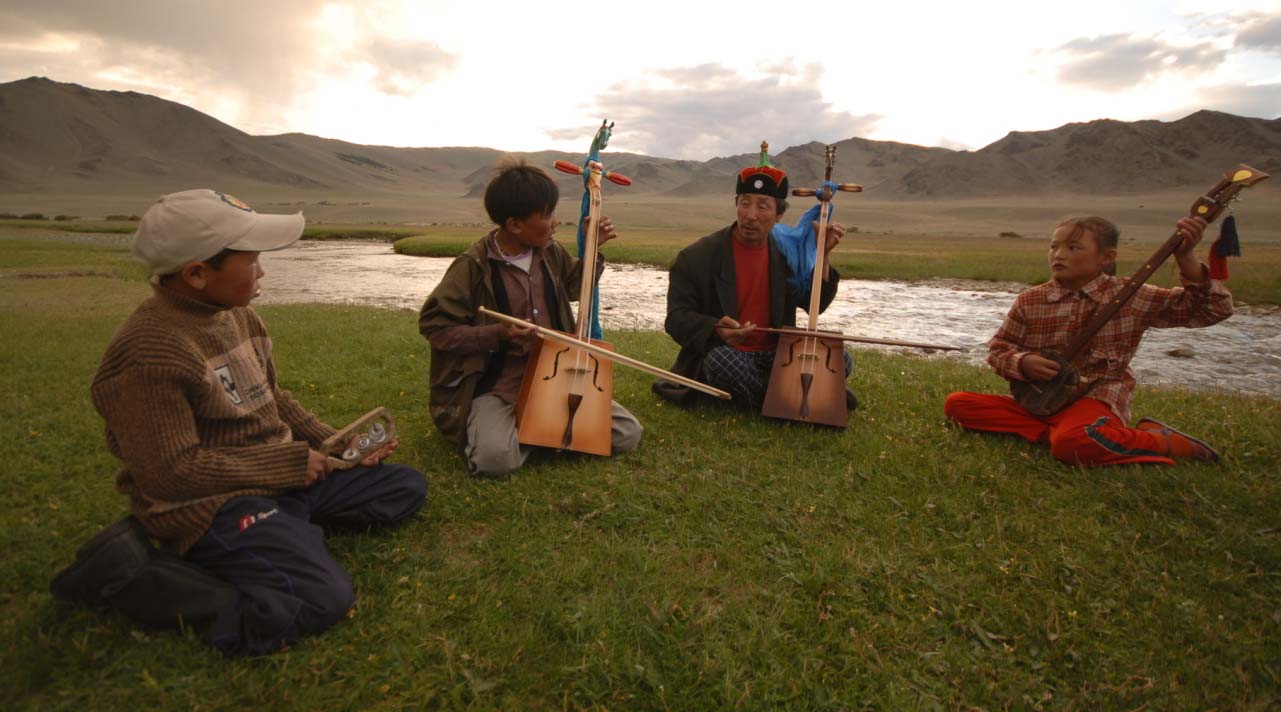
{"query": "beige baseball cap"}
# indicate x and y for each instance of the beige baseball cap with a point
(194, 225)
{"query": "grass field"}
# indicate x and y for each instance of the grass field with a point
(727, 563)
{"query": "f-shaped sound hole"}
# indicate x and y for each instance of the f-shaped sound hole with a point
(555, 365)
(791, 354)
(827, 361)
(596, 374)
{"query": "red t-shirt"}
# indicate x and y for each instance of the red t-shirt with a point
(751, 273)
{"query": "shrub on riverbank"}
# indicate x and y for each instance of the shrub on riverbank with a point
(357, 232)
(728, 561)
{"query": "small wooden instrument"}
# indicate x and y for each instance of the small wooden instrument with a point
(567, 393)
(1044, 398)
(345, 453)
(807, 382)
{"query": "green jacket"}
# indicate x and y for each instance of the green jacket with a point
(467, 286)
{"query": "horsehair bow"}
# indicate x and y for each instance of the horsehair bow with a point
(794, 240)
(559, 338)
(601, 140)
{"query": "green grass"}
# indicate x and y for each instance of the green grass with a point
(728, 562)
(118, 227)
(34, 256)
(358, 232)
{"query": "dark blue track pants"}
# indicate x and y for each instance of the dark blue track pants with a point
(273, 550)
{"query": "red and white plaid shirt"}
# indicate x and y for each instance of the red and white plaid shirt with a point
(1046, 316)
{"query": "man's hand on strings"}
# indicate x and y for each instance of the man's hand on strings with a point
(731, 332)
(607, 231)
(835, 233)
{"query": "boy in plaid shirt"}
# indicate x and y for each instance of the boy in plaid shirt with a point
(1092, 431)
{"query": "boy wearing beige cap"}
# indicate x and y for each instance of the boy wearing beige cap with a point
(220, 464)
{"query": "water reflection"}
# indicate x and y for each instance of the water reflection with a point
(1242, 354)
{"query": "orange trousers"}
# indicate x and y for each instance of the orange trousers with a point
(1085, 433)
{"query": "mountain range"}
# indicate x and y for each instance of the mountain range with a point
(65, 138)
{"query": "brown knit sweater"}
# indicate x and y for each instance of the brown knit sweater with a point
(188, 391)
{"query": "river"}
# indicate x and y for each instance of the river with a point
(1242, 354)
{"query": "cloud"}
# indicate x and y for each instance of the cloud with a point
(234, 44)
(404, 66)
(700, 76)
(572, 134)
(1261, 32)
(1114, 62)
(241, 61)
(710, 110)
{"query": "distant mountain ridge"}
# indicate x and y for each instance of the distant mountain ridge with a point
(58, 137)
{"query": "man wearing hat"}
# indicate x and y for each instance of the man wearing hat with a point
(220, 465)
(736, 279)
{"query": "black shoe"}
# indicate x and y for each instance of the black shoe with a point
(674, 393)
(851, 400)
(169, 590)
(104, 564)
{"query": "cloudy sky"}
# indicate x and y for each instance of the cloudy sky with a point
(682, 79)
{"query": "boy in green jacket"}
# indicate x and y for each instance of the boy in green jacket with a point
(477, 367)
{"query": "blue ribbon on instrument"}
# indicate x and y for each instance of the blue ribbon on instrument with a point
(594, 311)
(599, 141)
(796, 242)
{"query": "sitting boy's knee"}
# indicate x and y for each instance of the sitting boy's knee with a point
(492, 463)
(410, 490)
(326, 604)
(626, 439)
(955, 406)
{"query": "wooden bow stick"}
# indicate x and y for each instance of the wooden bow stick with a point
(567, 340)
(859, 339)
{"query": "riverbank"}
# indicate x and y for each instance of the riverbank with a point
(728, 561)
(910, 257)
(1240, 355)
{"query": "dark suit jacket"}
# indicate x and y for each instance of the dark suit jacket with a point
(701, 289)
